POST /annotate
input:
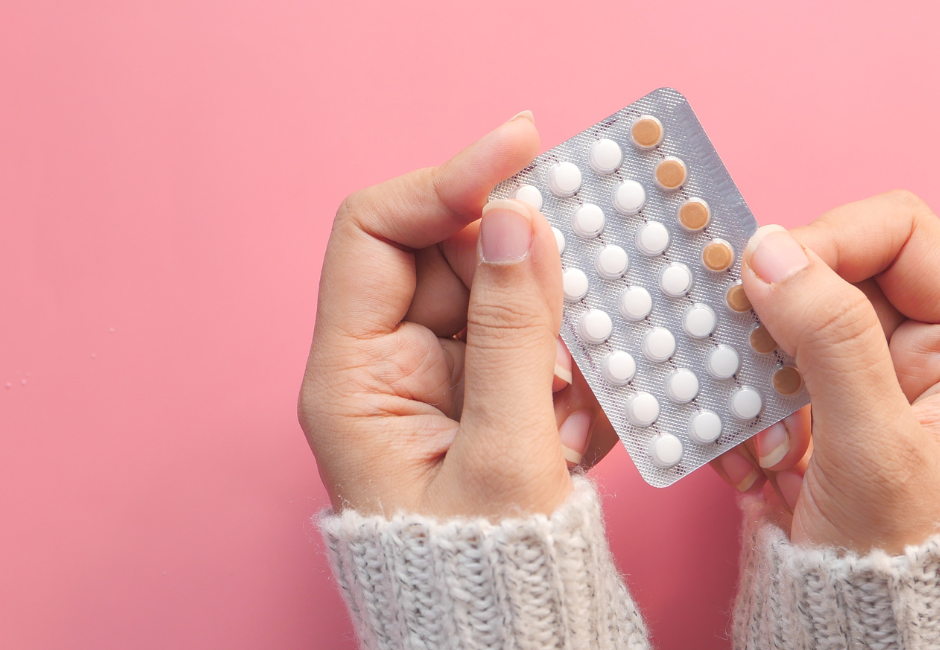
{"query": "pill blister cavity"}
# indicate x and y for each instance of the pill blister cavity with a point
(761, 341)
(652, 238)
(717, 255)
(529, 194)
(605, 156)
(787, 381)
(665, 450)
(611, 262)
(659, 345)
(736, 299)
(629, 197)
(587, 221)
(722, 362)
(682, 386)
(642, 409)
(635, 303)
(618, 367)
(745, 403)
(705, 427)
(564, 179)
(676, 280)
(699, 321)
(647, 132)
(694, 214)
(574, 285)
(559, 239)
(671, 173)
(595, 326)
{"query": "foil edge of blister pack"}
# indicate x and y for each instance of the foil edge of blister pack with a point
(732, 221)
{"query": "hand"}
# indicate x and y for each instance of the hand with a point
(870, 357)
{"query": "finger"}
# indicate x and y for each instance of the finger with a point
(579, 397)
(781, 445)
(894, 238)
(368, 278)
(738, 469)
(563, 367)
(888, 315)
(440, 298)
(915, 348)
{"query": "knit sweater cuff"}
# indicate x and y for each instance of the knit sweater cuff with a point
(800, 597)
(540, 581)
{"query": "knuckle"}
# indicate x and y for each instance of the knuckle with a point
(908, 199)
(840, 318)
(504, 321)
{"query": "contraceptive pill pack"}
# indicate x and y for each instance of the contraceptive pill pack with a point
(651, 229)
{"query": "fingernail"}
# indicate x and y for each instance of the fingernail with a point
(774, 255)
(789, 484)
(739, 470)
(562, 365)
(574, 436)
(524, 114)
(505, 232)
(772, 443)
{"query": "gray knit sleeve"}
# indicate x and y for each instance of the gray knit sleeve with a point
(796, 597)
(537, 582)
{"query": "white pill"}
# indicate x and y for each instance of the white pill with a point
(676, 280)
(659, 345)
(636, 303)
(595, 326)
(587, 221)
(629, 197)
(642, 409)
(665, 451)
(682, 386)
(722, 362)
(746, 403)
(574, 284)
(705, 427)
(529, 194)
(699, 321)
(564, 179)
(611, 262)
(605, 156)
(618, 368)
(652, 238)
(559, 239)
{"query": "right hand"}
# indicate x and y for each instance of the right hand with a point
(855, 298)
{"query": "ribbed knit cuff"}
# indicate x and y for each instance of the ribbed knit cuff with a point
(798, 597)
(536, 582)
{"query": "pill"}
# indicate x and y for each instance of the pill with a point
(559, 239)
(646, 132)
(595, 326)
(587, 221)
(665, 450)
(694, 214)
(705, 427)
(611, 262)
(675, 280)
(659, 345)
(618, 367)
(629, 197)
(671, 173)
(745, 403)
(574, 285)
(636, 303)
(699, 320)
(564, 179)
(652, 238)
(529, 194)
(761, 340)
(787, 381)
(722, 362)
(605, 156)
(736, 299)
(682, 386)
(642, 409)
(717, 255)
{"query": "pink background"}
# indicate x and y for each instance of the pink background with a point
(168, 174)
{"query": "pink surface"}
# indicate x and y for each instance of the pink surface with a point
(168, 175)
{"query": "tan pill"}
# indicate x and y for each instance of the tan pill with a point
(647, 132)
(787, 380)
(694, 214)
(737, 300)
(761, 340)
(718, 255)
(670, 174)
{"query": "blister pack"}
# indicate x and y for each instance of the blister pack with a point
(651, 229)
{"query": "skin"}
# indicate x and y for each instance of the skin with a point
(430, 385)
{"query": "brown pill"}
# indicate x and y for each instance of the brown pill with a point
(737, 299)
(670, 173)
(762, 341)
(788, 380)
(694, 214)
(717, 255)
(647, 132)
